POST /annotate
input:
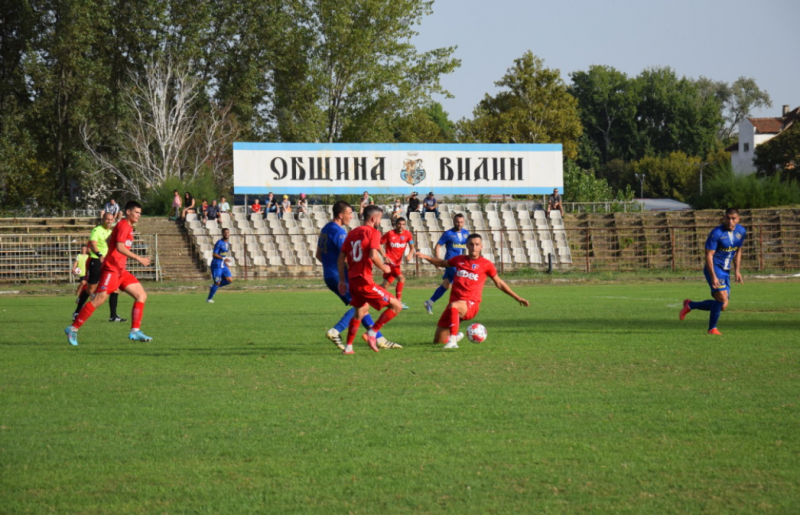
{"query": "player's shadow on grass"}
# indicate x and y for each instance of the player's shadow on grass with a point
(257, 349)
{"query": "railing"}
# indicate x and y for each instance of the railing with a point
(49, 257)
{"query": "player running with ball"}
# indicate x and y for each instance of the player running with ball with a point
(360, 250)
(723, 249)
(114, 276)
(470, 275)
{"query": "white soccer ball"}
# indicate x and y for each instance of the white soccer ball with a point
(477, 333)
(76, 270)
(228, 261)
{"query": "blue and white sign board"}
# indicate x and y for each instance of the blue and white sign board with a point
(446, 169)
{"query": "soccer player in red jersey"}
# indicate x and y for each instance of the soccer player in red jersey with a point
(395, 242)
(360, 250)
(465, 296)
(114, 276)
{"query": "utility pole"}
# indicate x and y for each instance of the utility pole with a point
(641, 177)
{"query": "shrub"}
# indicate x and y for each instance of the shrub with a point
(726, 189)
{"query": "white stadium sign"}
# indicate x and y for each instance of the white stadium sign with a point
(447, 169)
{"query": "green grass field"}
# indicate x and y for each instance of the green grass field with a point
(596, 399)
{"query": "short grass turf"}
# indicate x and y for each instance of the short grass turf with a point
(596, 399)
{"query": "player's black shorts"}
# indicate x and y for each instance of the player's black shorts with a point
(93, 275)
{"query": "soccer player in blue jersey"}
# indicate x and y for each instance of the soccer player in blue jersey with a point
(723, 249)
(329, 245)
(455, 242)
(220, 272)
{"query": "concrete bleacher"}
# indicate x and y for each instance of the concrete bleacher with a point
(268, 246)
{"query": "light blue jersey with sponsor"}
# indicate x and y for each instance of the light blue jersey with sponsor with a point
(221, 248)
(455, 242)
(725, 244)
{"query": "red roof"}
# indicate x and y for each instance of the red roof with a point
(767, 125)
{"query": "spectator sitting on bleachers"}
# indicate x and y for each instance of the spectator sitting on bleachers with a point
(366, 200)
(176, 204)
(397, 210)
(188, 205)
(285, 206)
(554, 202)
(430, 204)
(224, 207)
(256, 208)
(302, 204)
(413, 205)
(212, 213)
(203, 214)
(271, 205)
(112, 207)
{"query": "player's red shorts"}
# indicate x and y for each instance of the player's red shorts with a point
(394, 274)
(112, 280)
(472, 311)
(368, 293)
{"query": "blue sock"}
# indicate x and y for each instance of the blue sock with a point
(213, 290)
(715, 313)
(438, 293)
(345, 321)
(367, 323)
(706, 305)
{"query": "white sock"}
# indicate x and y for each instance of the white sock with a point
(453, 338)
(372, 333)
(348, 348)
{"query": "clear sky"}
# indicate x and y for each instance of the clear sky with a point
(721, 40)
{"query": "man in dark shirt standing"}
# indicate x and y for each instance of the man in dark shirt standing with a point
(413, 204)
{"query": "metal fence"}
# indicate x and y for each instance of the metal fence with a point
(50, 257)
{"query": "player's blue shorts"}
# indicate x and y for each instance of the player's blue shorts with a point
(449, 274)
(724, 278)
(333, 285)
(218, 273)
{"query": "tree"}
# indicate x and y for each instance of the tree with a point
(780, 155)
(672, 176)
(167, 137)
(346, 68)
(535, 108)
(672, 115)
(607, 103)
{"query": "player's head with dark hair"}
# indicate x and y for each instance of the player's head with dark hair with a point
(399, 219)
(340, 207)
(458, 221)
(371, 211)
(132, 204)
(474, 245)
(226, 233)
(459, 215)
(731, 211)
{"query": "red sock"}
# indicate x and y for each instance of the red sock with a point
(84, 315)
(454, 321)
(384, 319)
(352, 330)
(400, 290)
(136, 315)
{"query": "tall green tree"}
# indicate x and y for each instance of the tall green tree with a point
(346, 68)
(673, 116)
(672, 176)
(607, 102)
(534, 107)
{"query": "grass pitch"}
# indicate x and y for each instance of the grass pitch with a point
(596, 399)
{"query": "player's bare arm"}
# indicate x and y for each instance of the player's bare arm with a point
(435, 261)
(411, 252)
(737, 260)
(710, 268)
(342, 265)
(501, 284)
(376, 256)
(122, 249)
(318, 255)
